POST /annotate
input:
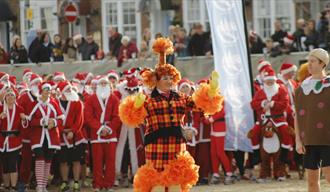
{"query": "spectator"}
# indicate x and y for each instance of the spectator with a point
(322, 28)
(44, 51)
(114, 41)
(86, 48)
(196, 46)
(34, 47)
(58, 48)
(279, 33)
(69, 50)
(127, 50)
(272, 50)
(144, 52)
(312, 36)
(147, 36)
(173, 30)
(181, 43)
(18, 53)
(3, 55)
(287, 46)
(256, 44)
(299, 35)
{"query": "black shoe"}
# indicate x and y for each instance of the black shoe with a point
(203, 181)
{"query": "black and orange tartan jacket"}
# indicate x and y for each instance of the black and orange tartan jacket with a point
(165, 115)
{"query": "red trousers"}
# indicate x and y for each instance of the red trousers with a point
(104, 158)
(192, 151)
(203, 159)
(218, 154)
(26, 163)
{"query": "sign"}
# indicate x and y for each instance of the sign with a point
(29, 14)
(71, 13)
(231, 61)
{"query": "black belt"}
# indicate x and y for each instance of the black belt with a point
(9, 133)
(163, 133)
(220, 120)
(274, 116)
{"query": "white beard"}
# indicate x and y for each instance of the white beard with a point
(80, 88)
(270, 91)
(73, 96)
(35, 91)
(103, 92)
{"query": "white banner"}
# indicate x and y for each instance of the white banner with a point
(231, 61)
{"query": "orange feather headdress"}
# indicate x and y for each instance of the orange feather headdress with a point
(163, 47)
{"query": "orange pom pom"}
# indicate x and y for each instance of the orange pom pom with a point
(146, 178)
(149, 78)
(163, 45)
(182, 171)
(207, 104)
(129, 115)
(303, 72)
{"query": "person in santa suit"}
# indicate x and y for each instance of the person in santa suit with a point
(4, 78)
(27, 101)
(10, 140)
(113, 77)
(3, 88)
(45, 124)
(285, 77)
(72, 139)
(185, 87)
(82, 80)
(218, 133)
(58, 77)
(258, 81)
(130, 149)
(22, 88)
(101, 115)
(270, 104)
(26, 75)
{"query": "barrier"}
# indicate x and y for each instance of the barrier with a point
(193, 68)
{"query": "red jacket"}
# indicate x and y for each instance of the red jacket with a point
(93, 116)
(50, 110)
(73, 120)
(27, 102)
(219, 124)
(202, 126)
(280, 102)
(10, 143)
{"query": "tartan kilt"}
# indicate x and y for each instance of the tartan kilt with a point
(163, 150)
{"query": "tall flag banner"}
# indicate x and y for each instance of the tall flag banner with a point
(231, 62)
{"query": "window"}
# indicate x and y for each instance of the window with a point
(123, 15)
(266, 12)
(195, 11)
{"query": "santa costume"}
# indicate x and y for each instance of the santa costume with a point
(101, 115)
(270, 104)
(72, 139)
(130, 150)
(45, 124)
(10, 140)
(27, 101)
(168, 164)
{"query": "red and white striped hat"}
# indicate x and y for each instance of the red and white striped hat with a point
(287, 68)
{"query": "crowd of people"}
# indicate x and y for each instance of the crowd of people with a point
(309, 34)
(121, 47)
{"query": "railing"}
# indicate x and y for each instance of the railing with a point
(193, 68)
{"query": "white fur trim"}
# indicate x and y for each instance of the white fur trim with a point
(182, 84)
(57, 77)
(263, 64)
(115, 75)
(285, 71)
(218, 134)
(270, 78)
(46, 85)
(285, 146)
(263, 103)
(254, 147)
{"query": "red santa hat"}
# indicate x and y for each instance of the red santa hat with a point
(22, 86)
(82, 77)
(102, 78)
(288, 39)
(59, 76)
(262, 65)
(27, 72)
(10, 91)
(95, 79)
(202, 81)
(183, 82)
(269, 74)
(63, 86)
(130, 73)
(3, 87)
(113, 73)
(287, 68)
(3, 75)
(46, 85)
(133, 83)
(35, 78)
(12, 80)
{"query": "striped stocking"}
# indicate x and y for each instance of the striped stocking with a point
(40, 173)
(46, 172)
